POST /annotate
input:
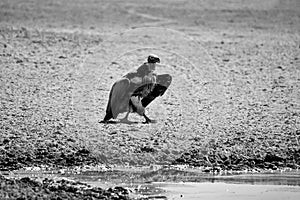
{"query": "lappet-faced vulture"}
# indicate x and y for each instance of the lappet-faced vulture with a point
(136, 90)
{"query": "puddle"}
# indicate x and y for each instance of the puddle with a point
(243, 186)
(219, 190)
(166, 183)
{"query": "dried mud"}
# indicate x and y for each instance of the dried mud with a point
(233, 104)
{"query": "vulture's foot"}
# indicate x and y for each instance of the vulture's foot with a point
(125, 121)
(107, 122)
(104, 121)
(148, 120)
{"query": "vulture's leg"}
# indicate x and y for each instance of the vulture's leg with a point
(147, 119)
(125, 119)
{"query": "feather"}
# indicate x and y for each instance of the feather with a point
(163, 82)
(118, 101)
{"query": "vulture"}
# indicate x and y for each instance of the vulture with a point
(136, 90)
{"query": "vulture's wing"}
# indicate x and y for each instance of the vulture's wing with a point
(118, 99)
(163, 81)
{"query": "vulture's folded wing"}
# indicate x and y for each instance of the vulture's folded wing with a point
(118, 99)
(163, 81)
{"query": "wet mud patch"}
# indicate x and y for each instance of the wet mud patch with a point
(28, 188)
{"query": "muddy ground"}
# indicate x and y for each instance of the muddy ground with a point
(26, 188)
(233, 103)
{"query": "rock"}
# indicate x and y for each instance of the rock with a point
(147, 149)
(19, 61)
(83, 151)
(62, 57)
(270, 157)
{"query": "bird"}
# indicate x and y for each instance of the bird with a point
(136, 90)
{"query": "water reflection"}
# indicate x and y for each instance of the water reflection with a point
(292, 179)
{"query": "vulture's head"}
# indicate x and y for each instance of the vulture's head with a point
(152, 59)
